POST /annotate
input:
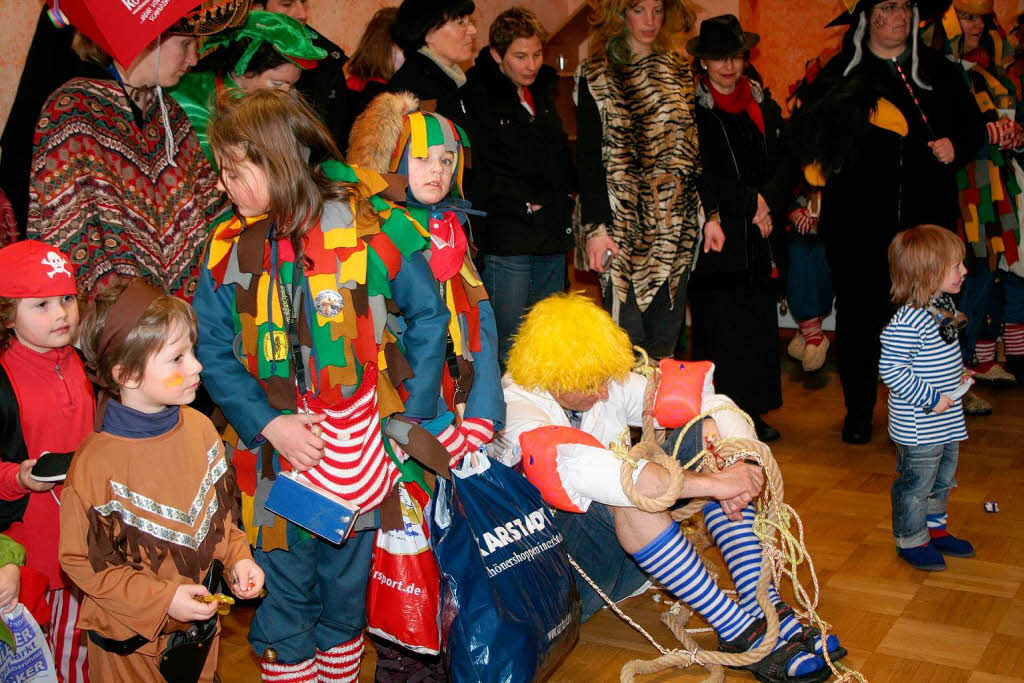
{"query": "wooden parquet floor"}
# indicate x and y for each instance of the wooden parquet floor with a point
(965, 624)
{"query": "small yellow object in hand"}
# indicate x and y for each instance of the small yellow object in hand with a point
(224, 602)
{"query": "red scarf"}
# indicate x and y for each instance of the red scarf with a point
(447, 246)
(980, 57)
(740, 100)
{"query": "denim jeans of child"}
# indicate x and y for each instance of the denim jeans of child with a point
(925, 476)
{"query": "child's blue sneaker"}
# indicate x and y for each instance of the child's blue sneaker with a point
(947, 544)
(924, 557)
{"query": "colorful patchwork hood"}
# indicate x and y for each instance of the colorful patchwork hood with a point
(384, 137)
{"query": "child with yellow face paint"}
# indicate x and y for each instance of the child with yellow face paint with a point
(148, 516)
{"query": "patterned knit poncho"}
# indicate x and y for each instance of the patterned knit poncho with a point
(103, 191)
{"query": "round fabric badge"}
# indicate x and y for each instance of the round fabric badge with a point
(328, 303)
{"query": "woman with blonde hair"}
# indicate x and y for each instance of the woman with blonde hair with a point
(640, 168)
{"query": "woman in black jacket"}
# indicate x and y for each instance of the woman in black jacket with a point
(523, 174)
(732, 299)
(436, 36)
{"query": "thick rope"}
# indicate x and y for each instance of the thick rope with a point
(773, 517)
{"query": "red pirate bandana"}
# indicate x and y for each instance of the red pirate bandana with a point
(34, 269)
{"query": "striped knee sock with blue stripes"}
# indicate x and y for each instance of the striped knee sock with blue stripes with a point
(742, 553)
(671, 560)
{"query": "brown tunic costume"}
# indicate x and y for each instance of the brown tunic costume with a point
(139, 517)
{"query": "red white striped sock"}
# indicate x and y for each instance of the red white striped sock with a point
(66, 641)
(478, 431)
(811, 330)
(454, 441)
(1013, 339)
(302, 672)
(985, 350)
(341, 662)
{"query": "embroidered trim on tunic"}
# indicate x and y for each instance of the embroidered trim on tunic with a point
(218, 467)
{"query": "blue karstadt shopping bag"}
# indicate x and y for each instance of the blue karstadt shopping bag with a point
(510, 609)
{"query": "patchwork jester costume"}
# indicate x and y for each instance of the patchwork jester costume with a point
(383, 138)
(990, 191)
(259, 307)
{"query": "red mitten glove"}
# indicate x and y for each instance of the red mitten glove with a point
(454, 442)
(468, 437)
(1004, 133)
(478, 431)
(1018, 136)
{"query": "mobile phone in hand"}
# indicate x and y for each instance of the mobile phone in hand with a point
(51, 467)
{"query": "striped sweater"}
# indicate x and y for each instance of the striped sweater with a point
(918, 367)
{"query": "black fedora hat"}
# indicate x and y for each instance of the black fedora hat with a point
(721, 37)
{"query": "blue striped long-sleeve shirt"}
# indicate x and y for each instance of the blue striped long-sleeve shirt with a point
(918, 367)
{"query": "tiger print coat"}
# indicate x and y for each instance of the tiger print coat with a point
(651, 164)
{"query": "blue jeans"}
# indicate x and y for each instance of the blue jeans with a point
(514, 284)
(1013, 287)
(590, 539)
(981, 300)
(809, 283)
(926, 474)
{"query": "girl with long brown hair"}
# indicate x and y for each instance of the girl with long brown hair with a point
(293, 303)
(375, 60)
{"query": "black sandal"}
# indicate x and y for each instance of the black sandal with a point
(772, 669)
(807, 634)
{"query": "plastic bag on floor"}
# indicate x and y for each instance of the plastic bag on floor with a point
(510, 609)
(31, 660)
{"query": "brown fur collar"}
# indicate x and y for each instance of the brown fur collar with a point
(375, 132)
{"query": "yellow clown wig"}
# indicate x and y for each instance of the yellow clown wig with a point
(567, 343)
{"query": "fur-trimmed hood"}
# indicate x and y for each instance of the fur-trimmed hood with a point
(376, 131)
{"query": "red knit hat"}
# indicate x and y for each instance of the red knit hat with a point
(36, 269)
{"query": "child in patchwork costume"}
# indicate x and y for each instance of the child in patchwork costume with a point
(294, 301)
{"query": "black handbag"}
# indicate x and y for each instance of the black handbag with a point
(183, 659)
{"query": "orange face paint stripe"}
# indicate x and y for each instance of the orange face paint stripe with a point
(173, 381)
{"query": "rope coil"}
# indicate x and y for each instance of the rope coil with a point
(782, 551)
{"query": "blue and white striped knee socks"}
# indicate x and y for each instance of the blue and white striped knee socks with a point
(672, 561)
(742, 553)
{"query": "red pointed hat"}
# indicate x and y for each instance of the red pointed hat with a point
(35, 269)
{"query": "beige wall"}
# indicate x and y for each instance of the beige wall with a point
(340, 20)
(792, 31)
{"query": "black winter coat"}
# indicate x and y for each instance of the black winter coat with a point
(325, 88)
(518, 158)
(879, 182)
(435, 89)
(734, 159)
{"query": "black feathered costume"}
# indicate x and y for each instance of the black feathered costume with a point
(859, 122)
